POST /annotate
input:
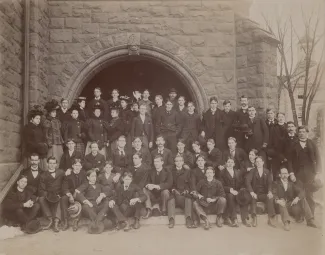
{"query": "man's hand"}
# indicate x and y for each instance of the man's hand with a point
(28, 204)
(234, 192)
(87, 202)
(293, 177)
(107, 144)
(71, 200)
(149, 186)
(99, 199)
(199, 196)
(253, 194)
(68, 172)
(157, 187)
(111, 204)
(176, 192)
(264, 145)
(150, 145)
(281, 202)
(211, 200)
(116, 178)
(185, 192)
(249, 168)
(295, 201)
(133, 201)
(221, 167)
(270, 195)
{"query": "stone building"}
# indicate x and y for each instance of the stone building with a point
(64, 48)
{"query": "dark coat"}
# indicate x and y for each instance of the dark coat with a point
(146, 156)
(191, 126)
(240, 157)
(120, 162)
(52, 128)
(32, 183)
(127, 116)
(167, 156)
(15, 199)
(181, 179)
(211, 123)
(75, 129)
(73, 181)
(260, 134)
(214, 157)
(196, 176)
(212, 189)
(140, 175)
(134, 191)
(92, 103)
(228, 182)
(292, 192)
(115, 128)
(91, 193)
(164, 179)
(138, 128)
(67, 161)
(289, 145)
(169, 122)
(276, 139)
(97, 131)
(102, 180)
(226, 130)
(252, 179)
(188, 158)
(156, 111)
(63, 116)
(83, 115)
(49, 184)
(35, 140)
(92, 161)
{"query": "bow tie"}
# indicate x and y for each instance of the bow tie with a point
(161, 152)
(52, 172)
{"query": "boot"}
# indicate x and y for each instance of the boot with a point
(287, 226)
(227, 221)
(171, 223)
(56, 225)
(189, 222)
(49, 225)
(245, 223)
(164, 213)
(234, 224)
(127, 227)
(148, 215)
(196, 224)
(219, 221)
(271, 222)
(311, 223)
(254, 221)
(64, 225)
(136, 224)
(75, 225)
(206, 223)
(121, 225)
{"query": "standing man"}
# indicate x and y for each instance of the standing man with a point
(158, 109)
(112, 103)
(173, 97)
(63, 114)
(227, 120)
(145, 101)
(81, 101)
(305, 165)
(290, 140)
(33, 173)
(97, 101)
(169, 126)
(241, 120)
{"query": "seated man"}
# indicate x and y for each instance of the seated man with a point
(137, 147)
(20, 204)
(185, 154)
(160, 180)
(69, 155)
(180, 193)
(198, 173)
(33, 173)
(97, 201)
(109, 178)
(259, 184)
(70, 183)
(197, 151)
(233, 181)
(214, 156)
(94, 159)
(164, 152)
(50, 191)
(291, 201)
(210, 198)
(130, 199)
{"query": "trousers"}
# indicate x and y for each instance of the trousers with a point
(268, 202)
(180, 202)
(24, 215)
(217, 207)
(131, 210)
(160, 197)
(231, 209)
(297, 210)
(50, 210)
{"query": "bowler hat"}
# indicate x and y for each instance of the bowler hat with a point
(52, 197)
(97, 106)
(80, 99)
(243, 197)
(51, 105)
(203, 202)
(32, 227)
(315, 185)
(74, 210)
(172, 90)
(96, 227)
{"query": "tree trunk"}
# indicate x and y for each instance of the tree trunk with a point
(293, 107)
(310, 101)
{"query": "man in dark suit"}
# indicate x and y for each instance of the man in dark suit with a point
(180, 193)
(33, 174)
(227, 120)
(211, 120)
(241, 120)
(138, 148)
(169, 126)
(70, 183)
(238, 154)
(214, 156)
(83, 115)
(259, 184)
(50, 191)
(97, 101)
(94, 159)
(290, 140)
(69, 155)
(115, 128)
(198, 173)
(305, 165)
(189, 159)
(160, 181)
(157, 110)
(258, 135)
(120, 156)
(291, 201)
(142, 127)
(63, 114)
(164, 152)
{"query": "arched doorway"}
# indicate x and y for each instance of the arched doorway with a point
(137, 73)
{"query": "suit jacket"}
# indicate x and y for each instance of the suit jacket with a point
(167, 156)
(52, 127)
(202, 153)
(138, 128)
(63, 116)
(48, 183)
(32, 183)
(140, 175)
(127, 116)
(164, 179)
(277, 136)
(240, 157)
(226, 129)
(156, 111)
(228, 182)
(83, 115)
(115, 128)
(188, 158)
(252, 179)
(196, 176)
(214, 157)
(75, 129)
(73, 181)
(212, 189)
(120, 162)
(92, 103)
(191, 126)
(102, 180)
(169, 122)
(133, 191)
(97, 131)
(92, 161)
(260, 134)
(289, 144)
(67, 160)
(290, 194)
(91, 193)
(146, 156)
(211, 122)
(35, 140)
(181, 179)
(15, 199)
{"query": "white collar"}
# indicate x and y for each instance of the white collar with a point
(137, 166)
(19, 189)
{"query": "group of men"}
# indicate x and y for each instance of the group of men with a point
(121, 159)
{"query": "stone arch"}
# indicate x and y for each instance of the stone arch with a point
(97, 55)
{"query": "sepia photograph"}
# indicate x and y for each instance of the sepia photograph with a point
(156, 127)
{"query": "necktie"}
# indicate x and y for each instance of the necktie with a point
(126, 187)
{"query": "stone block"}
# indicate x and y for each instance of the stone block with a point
(178, 12)
(221, 51)
(90, 28)
(159, 11)
(255, 80)
(224, 63)
(73, 22)
(60, 11)
(57, 48)
(56, 23)
(189, 28)
(99, 17)
(81, 13)
(200, 51)
(60, 35)
(241, 62)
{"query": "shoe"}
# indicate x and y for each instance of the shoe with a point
(136, 224)
(311, 223)
(64, 225)
(254, 221)
(121, 225)
(219, 221)
(171, 223)
(189, 222)
(127, 227)
(227, 222)
(245, 223)
(196, 224)
(49, 225)
(164, 213)
(234, 224)
(148, 215)
(286, 226)
(56, 226)
(75, 225)
(271, 222)
(155, 212)
(300, 220)
(206, 224)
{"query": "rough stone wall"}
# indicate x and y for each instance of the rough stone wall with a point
(205, 28)
(38, 57)
(11, 69)
(256, 65)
